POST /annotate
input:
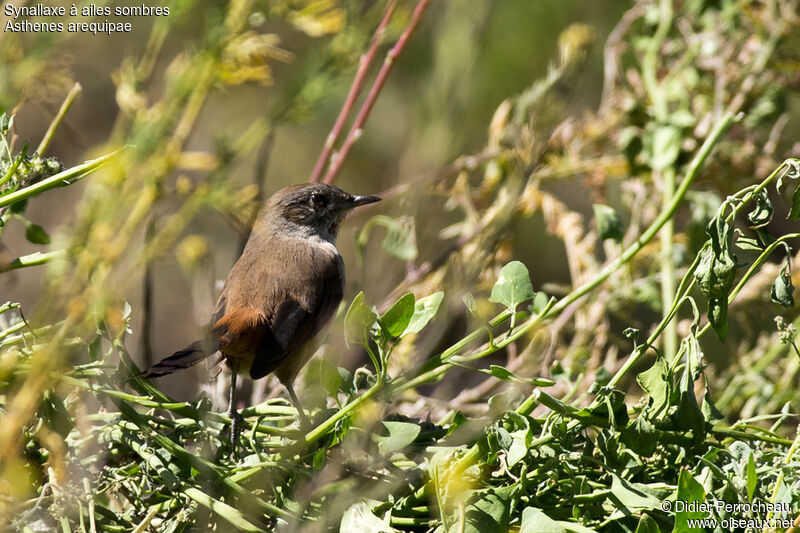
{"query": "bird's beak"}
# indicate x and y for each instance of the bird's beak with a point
(356, 201)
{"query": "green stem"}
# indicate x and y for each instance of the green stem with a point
(412, 521)
(233, 516)
(48, 136)
(724, 433)
(8, 306)
(666, 176)
(62, 178)
(13, 169)
(12, 329)
(670, 337)
(323, 429)
(34, 259)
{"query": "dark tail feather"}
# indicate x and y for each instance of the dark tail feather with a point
(189, 356)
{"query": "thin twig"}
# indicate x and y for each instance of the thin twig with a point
(380, 80)
(142, 527)
(51, 130)
(363, 66)
(775, 133)
(147, 301)
(87, 487)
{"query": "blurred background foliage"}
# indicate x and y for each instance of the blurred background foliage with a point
(505, 131)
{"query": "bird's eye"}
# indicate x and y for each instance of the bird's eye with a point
(319, 200)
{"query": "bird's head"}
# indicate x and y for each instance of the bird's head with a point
(310, 210)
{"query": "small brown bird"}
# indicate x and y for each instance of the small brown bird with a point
(284, 288)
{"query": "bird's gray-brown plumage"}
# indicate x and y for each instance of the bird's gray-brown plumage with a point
(283, 289)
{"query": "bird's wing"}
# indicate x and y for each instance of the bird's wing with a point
(307, 303)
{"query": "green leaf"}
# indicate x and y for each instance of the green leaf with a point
(609, 225)
(791, 171)
(782, 289)
(513, 286)
(641, 437)
(424, 310)
(612, 408)
(666, 147)
(718, 316)
(689, 416)
(18, 207)
(497, 439)
(761, 215)
(751, 476)
(647, 525)
(715, 273)
(328, 374)
(95, 348)
(689, 491)
(794, 212)
(535, 521)
(400, 435)
(36, 234)
(501, 373)
(631, 498)
(488, 511)
(358, 321)
(765, 238)
(657, 383)
(394, 321)
(459, 420)
(521, 440)
(5, 123)
(540, 302)
(748, 244)
(55, 413)
(710, 412)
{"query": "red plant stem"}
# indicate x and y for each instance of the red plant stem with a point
(380, 80)
(363, 66)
